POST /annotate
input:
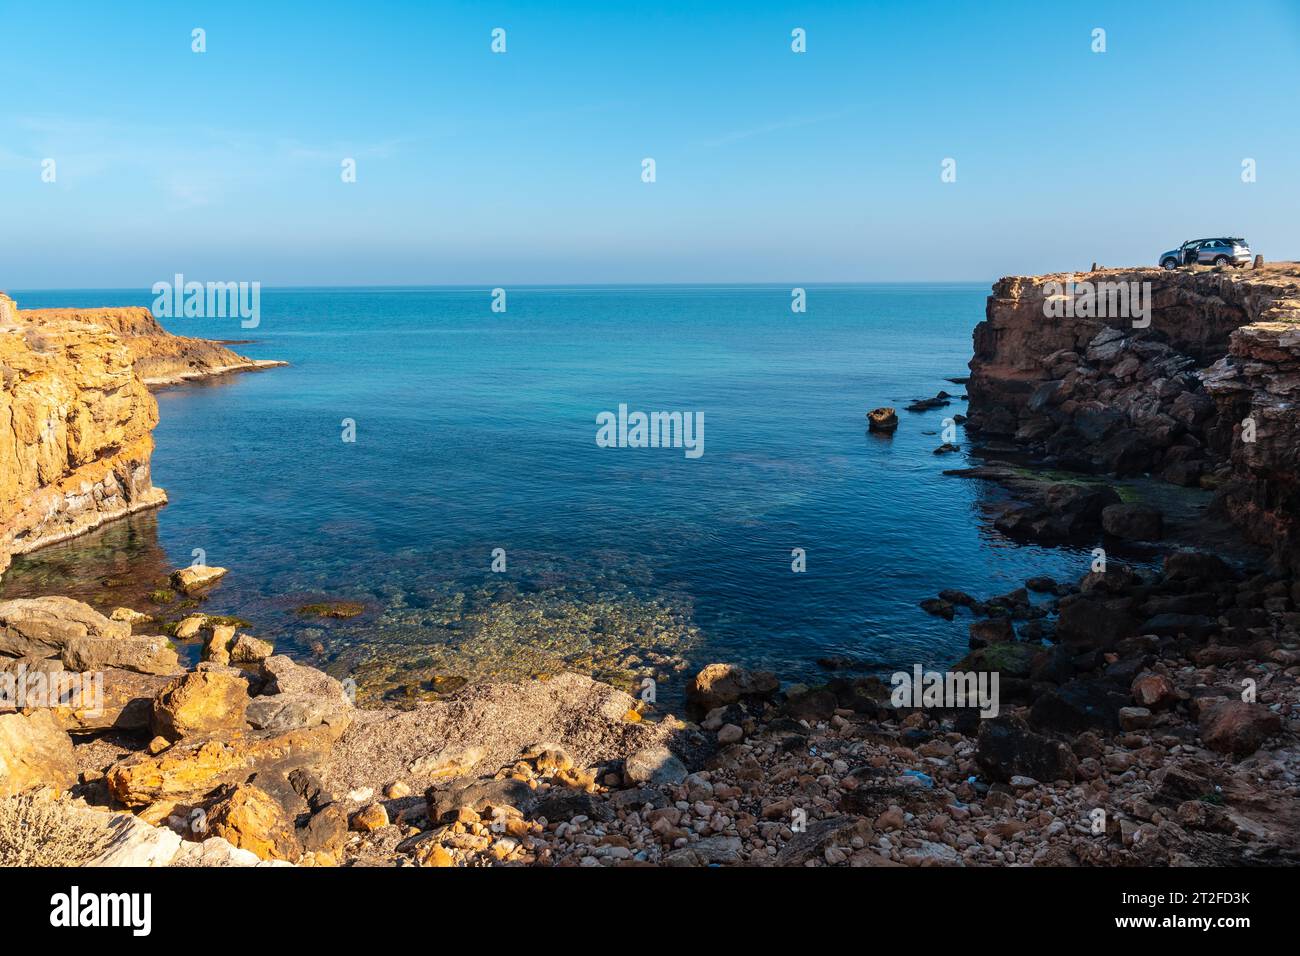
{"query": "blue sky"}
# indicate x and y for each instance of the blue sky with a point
(479, 168)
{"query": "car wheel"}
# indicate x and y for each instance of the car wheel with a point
(1220, 260)
(1169, 265)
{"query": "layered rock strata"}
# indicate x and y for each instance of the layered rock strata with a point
(75, 431)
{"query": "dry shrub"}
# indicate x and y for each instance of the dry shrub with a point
(38, 831)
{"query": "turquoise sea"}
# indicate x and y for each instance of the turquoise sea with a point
(475, 430)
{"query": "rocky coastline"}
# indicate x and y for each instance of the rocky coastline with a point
(1145, 717)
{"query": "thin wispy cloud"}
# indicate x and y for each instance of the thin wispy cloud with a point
(192, 165)
(766, 129)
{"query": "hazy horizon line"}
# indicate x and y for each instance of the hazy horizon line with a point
(13, 290)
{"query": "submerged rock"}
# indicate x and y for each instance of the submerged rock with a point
(334, 609)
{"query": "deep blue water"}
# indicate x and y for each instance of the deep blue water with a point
(476, 430)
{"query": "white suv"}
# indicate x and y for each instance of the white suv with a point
(1207, 252)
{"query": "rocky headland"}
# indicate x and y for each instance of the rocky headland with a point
(160, 358)
(1145, 715)
(76, 416)
(1200, 393)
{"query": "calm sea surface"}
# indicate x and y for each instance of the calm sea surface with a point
(476, 431)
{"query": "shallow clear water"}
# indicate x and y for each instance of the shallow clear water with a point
(476, 430)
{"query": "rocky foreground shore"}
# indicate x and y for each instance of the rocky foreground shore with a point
(1160, 728)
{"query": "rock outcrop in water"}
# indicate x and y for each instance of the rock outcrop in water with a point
(76, 416)
(1170, 398)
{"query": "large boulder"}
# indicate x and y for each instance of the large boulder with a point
(249, 818)
(1238, 728)
(146, 655)
(196, 577)
(1078, 507)
(480, 796)
(1195, 565)
(1094, 623)
(656, 766)
(124, 702)
(1154, 691)
(42, 627)
(34, 751)
(1007, 748)
(883, 419)
(1066, 510)
(297, 696)
(993, 630)
(719, 685)
(1077, 706)
(192, 768)
(246, 649)
(1195, 626)
(1008, 659)
(201, 702)
(1133, 521)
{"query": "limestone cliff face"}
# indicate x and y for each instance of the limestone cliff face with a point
(160, 357)
(1171, 398)
(75, 424)
(1256, 388)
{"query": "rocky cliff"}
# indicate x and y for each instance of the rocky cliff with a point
(75, 424)
(1197, 389)
(1255, 388)
(76, 415)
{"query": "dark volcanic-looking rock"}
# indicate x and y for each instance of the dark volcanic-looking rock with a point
(1078, 706)
(1132, 521)
(938, 607)
(994, 630)
(1008, 748)
(1195, 626)
(1210, 568)
(1096, 623)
